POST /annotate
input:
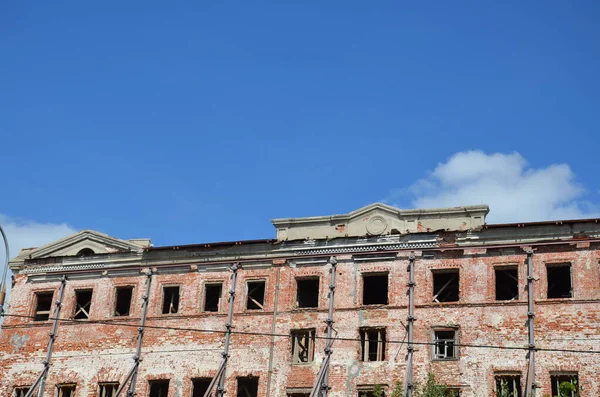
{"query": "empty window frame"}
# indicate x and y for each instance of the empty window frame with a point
(159, 388)
(507, 283)
(21, 391)
(247, 387)
(123, 301)
(212, 296)
(43, 305)
(66, 390)
(446, 285)
(452, 392)
(107, 389)
(307, 292)
(298, 393)
(444, 344)
(569, 382)
(508, 385)
(255, 296)
(559, 280)
(83, 303)
(375, 289)
(372, 344)
(170, 300)
(303, 346)
(200, 386)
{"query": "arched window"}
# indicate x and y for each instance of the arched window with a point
(86, 252)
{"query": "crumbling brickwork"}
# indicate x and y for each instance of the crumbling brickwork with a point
(186, 345)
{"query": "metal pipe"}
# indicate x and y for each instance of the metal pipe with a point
(408, 379)
(41, 380)
(4, 271)
(321, 386)
(273, 329)
(138, 351)
(530, 387)
(228, 327)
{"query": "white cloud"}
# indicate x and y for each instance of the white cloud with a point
(514, 191)
(26, 234)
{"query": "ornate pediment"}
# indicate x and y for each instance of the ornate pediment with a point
(83, 243)
(381, 219)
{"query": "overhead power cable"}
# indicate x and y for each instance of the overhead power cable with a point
(250, 333)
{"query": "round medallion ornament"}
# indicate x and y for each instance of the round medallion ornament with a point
(376, 225)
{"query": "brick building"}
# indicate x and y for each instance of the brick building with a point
(471, 306)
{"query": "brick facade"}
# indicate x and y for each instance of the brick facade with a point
(87, 353)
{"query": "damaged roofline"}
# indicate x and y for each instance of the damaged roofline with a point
(540, 223)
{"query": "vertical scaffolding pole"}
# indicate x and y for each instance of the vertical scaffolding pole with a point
(321, 386)
(228, 327)
(132, 375)
(221, 372)
(41, 380)
(530, 382)
(408, 378)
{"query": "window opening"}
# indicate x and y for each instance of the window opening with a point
(256, 295)
(445, 286)
(302, 394)
(21, 391)
(372, 343)
(123, 301)
(86, 252)
(200, 386)
(83, 302)
(508, 385)
(371, 391)
(66, 390)
(159, 388)
(43, 306)
(452, 392)
(375, 289)
(247, 387)
(567, 383)
(170, 300)
(559, 281)
(507, 284)
(303, 346)
(108, 389)
(444, 347)
(212, 297)
(307, 292)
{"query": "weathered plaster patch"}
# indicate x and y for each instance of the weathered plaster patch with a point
(18, 341)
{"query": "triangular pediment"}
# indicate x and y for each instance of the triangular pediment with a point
(85, 242)
(375, 208)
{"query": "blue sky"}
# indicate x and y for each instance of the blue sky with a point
(200, 121)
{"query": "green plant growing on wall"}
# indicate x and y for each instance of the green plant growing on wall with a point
(503, 390)
(431, 388)
(398, 390)
(568, 389)
(377, 391)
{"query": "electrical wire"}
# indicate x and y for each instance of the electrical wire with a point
(250, 333)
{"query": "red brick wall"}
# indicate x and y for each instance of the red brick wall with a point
(90, 353)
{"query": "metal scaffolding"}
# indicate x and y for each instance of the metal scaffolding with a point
(41, 379)
(321, 386)
(221, 372)
(408, 378)
(132, 376)
(530, 386)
